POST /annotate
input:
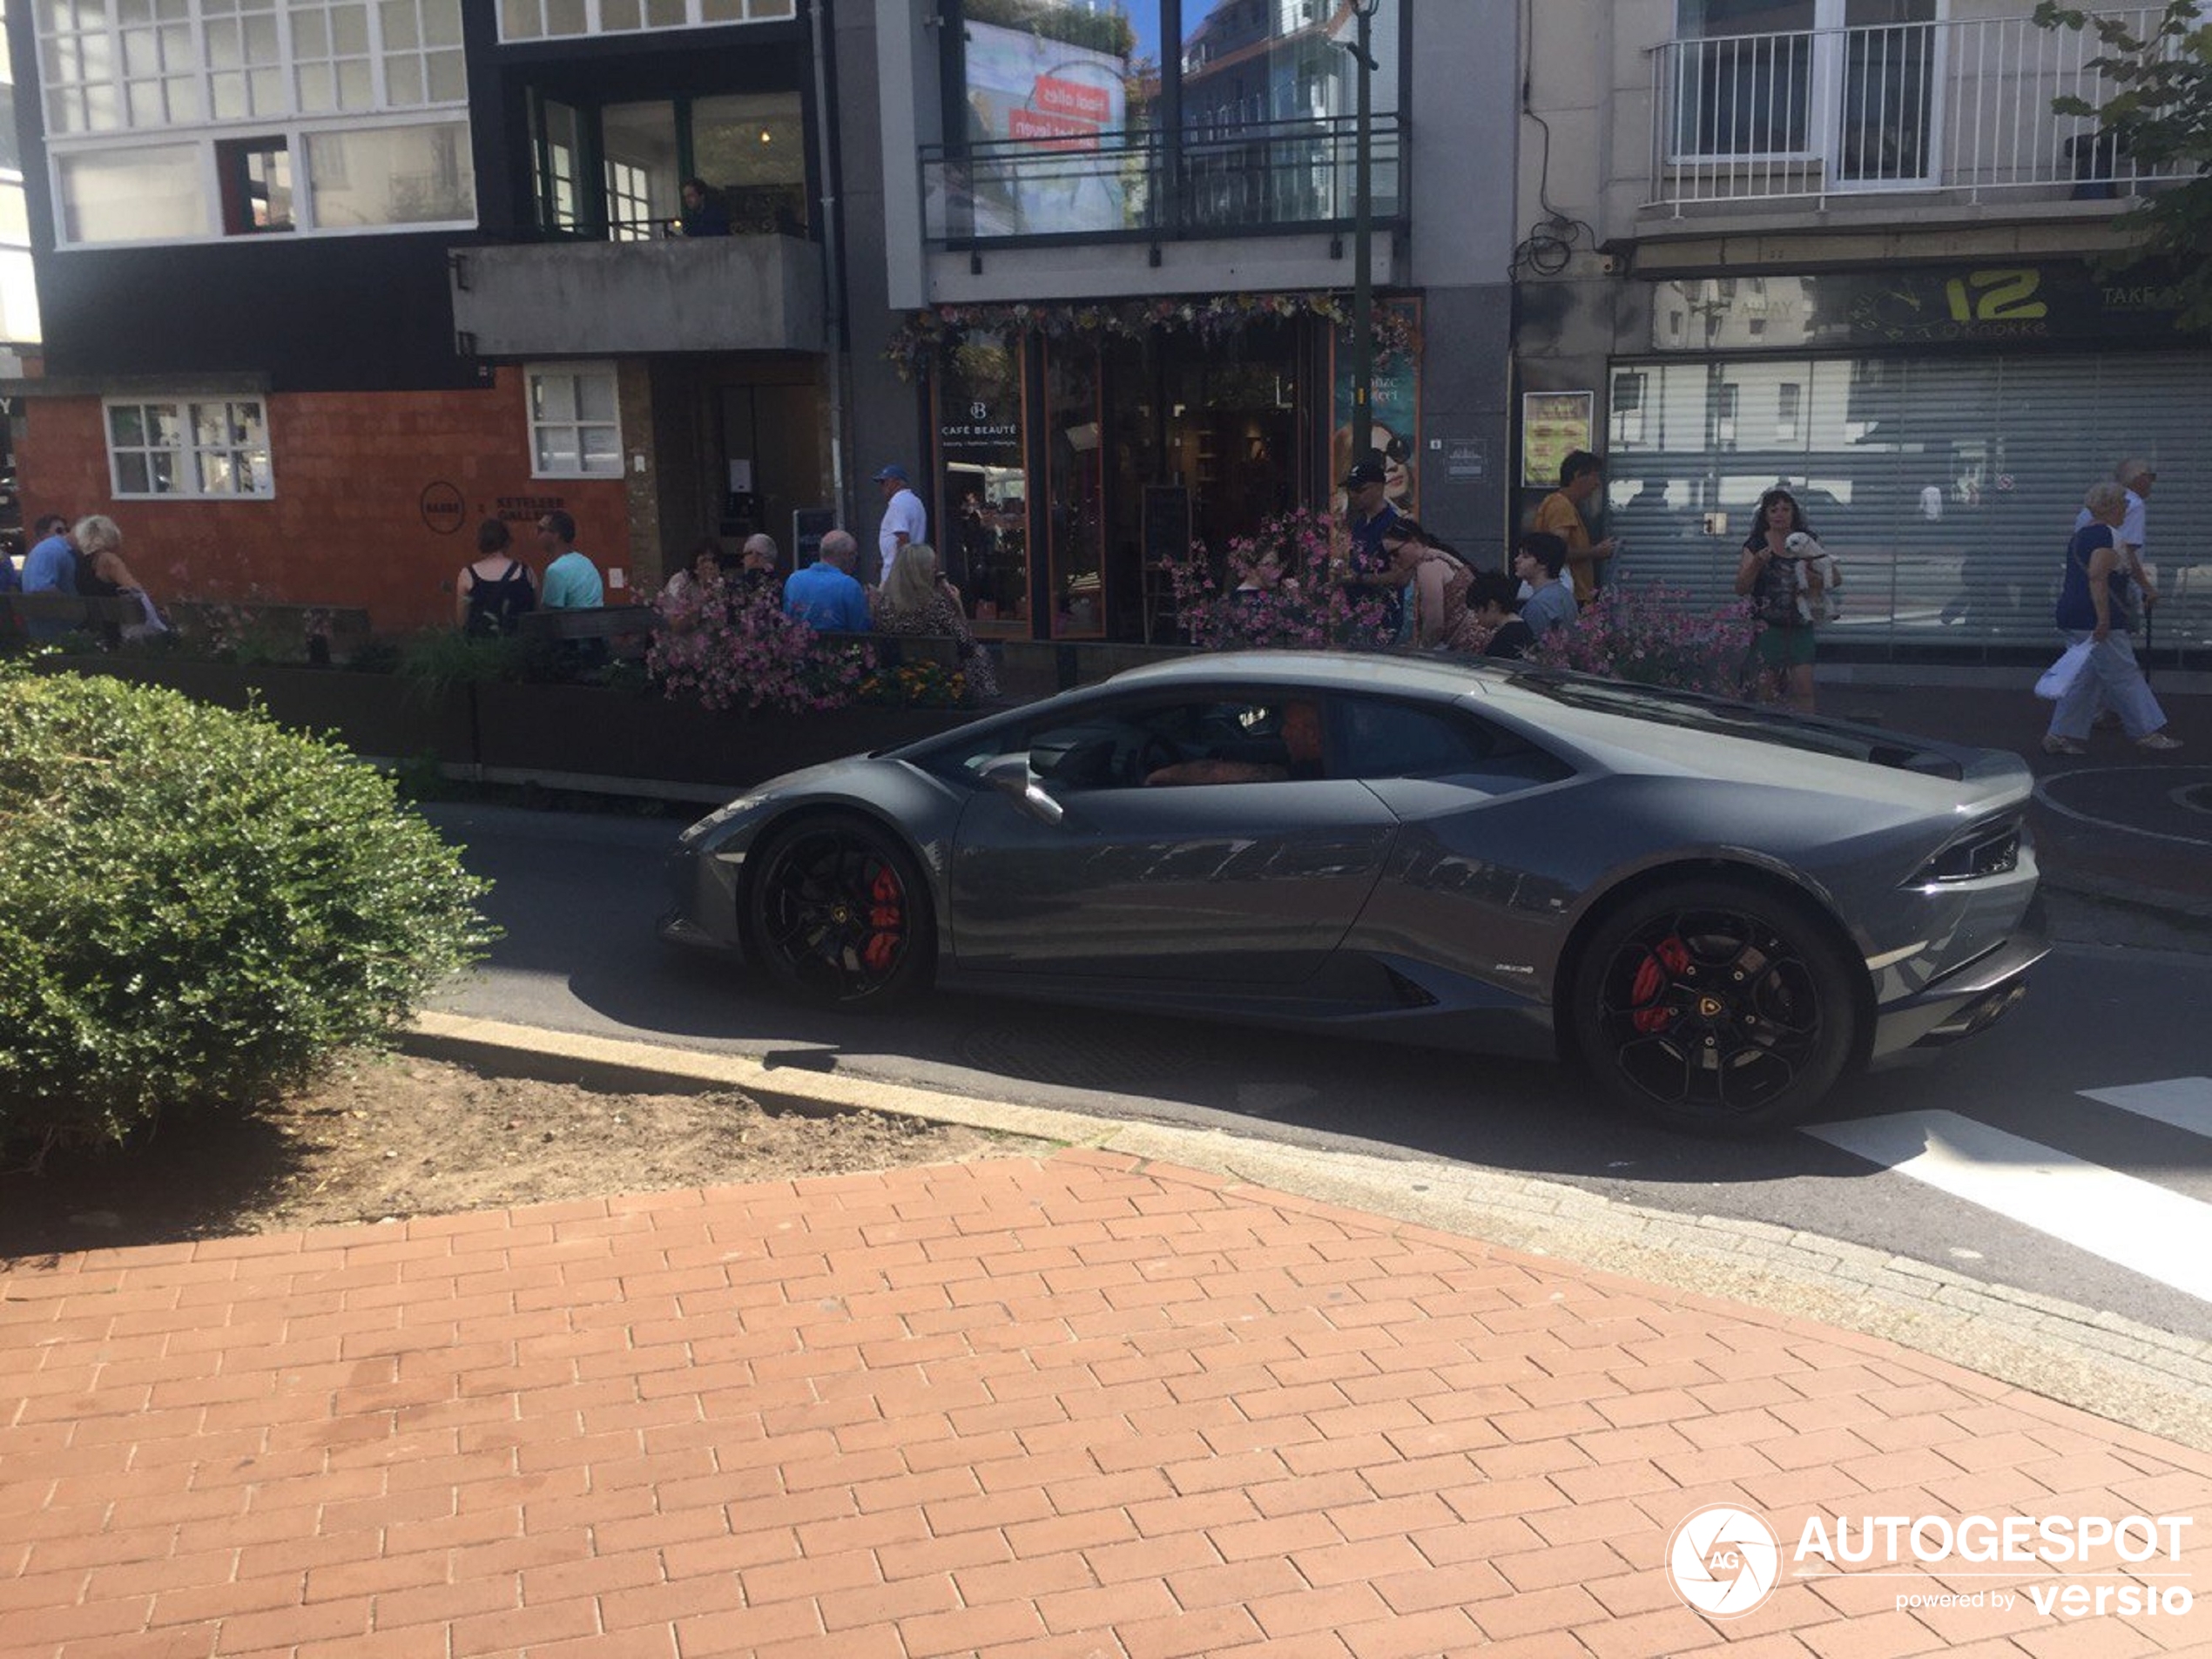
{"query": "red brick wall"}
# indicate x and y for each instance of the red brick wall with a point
(346, 526)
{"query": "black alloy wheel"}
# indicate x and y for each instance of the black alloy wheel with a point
(837, 915)
(1714, 1008)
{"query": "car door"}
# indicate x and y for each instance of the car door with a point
(1258, 880)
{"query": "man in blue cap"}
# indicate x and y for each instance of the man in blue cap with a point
(905, 519)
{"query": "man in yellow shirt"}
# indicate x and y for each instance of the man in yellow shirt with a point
(1580, 476)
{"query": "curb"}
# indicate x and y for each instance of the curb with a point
(2184, 910)
(2144, 1378)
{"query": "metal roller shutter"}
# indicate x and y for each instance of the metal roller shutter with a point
(1947, 485)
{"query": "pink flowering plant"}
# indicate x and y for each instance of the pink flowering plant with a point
(920, 335)
(733, 647)
(1301, 601)
(1655, 634)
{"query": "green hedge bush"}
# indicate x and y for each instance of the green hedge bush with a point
(197, 908)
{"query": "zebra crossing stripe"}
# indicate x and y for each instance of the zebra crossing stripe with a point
(2184, 1102)
(2133, 1223)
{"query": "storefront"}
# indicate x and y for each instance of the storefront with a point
(1077, 447)
(1939, 427)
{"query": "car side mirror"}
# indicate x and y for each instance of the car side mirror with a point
(1011, 777)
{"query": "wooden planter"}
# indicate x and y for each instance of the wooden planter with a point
(572, 734)
(372, 714)
(553, 731)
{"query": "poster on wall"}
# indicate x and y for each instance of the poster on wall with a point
(1397, 411)
(1054, 99)
(1552, 425)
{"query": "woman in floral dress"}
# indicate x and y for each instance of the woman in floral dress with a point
(915, 599)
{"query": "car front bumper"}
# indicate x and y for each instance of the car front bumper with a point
(1965, 1001)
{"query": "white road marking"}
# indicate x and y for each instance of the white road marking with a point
(2133, 1223)
(2184, 1102)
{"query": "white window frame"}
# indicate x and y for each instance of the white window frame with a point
(187, 455)
(532, 374)
(594, 13)
(289, 122)
(1823, 114)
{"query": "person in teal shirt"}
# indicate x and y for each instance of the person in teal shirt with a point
(571, 581)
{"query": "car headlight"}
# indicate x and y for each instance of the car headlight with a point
(715, 820)
(1987, 849)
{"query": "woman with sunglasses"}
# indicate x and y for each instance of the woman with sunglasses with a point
(1767, 575)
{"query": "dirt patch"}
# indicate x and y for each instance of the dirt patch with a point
(389, 1135)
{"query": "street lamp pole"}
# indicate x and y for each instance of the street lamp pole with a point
(1363, 236)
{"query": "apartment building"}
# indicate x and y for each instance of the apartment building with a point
(326, 283)
(1100, 257)
(1846, 244)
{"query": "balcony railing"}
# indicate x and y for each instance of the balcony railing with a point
(1962, 108)
(1242, 180)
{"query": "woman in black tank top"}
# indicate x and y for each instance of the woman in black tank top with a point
(492, 595)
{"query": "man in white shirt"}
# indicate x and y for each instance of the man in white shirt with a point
(905, 520)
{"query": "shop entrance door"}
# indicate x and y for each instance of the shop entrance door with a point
(1232, 436)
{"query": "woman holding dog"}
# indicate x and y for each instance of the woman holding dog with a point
(1767, 574)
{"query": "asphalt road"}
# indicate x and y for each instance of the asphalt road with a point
(577, 895)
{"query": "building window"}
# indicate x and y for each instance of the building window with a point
(144, 192)
(245, 60)
(375, 178)
(255, 176)
(541, 19)
(212, 450)
(116, 74)
(575, 432)
(1850, 83)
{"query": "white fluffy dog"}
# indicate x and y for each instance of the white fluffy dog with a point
(1807, 556)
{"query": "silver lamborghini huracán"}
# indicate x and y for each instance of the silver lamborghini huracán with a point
(1713, 909)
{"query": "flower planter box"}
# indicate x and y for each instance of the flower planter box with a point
(578, 730)
(576, 734)
(372, 714)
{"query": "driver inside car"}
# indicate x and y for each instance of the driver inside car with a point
(1299, 731)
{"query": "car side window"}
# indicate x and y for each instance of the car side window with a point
(1382, 738)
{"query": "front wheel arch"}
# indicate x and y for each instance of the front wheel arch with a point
(804, 818)
(1766, 881)
(1763, 893)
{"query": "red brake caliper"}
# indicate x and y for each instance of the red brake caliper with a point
(1670, 957)
(886, 915)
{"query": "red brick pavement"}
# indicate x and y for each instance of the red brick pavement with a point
(1080, 1407)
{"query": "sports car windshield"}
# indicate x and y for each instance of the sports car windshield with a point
(1698, 713)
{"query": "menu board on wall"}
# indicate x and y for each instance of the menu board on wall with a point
(1552, 425)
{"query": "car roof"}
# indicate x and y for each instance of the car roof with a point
(1323, 670)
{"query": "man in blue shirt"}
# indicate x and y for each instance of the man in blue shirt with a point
(1368, 517)
(1536, 560)
(51, 566)
(824, 596)
(571, 581)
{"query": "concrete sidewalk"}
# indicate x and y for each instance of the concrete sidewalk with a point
(1082, 1406)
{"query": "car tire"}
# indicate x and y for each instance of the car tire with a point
(1714, 1006)
(837, 914)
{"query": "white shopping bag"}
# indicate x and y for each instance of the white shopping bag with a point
(2062, 674)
